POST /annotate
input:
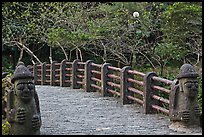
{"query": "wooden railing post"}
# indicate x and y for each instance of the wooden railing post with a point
(124, 85)
(43, 73)
(88, 74)
(104, 79)
(74, 74)
(62, 73)
(52, 73)
(148, 91)
(35, 73)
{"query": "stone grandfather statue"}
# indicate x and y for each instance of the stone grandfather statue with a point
(184, 107)
(23, 104)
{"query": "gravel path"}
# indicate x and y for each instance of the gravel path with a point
(66, 111)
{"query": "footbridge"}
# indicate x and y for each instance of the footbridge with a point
(87, 98)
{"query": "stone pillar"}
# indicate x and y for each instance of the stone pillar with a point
(104, 79)
(74, 74)
(62, 72)
(88, 76)
(43, 73)
(52, 74)
(183, 109)
(125, 85)
(23, 110)
(148, 91)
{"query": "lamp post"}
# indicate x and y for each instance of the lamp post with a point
(136, 28)
(136, 24)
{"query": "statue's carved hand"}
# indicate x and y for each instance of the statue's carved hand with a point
(21, 115)
(185, 116)
(197, 112)
(36, 123)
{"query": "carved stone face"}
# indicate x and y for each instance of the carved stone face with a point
(190, 87)
(24, 89)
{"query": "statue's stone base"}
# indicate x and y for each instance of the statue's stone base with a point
(177, 126)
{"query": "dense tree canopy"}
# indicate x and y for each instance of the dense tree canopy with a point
(164, 31)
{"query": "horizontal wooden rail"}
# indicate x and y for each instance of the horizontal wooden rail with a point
(158, 108)
(47, 81)
(82, 70)
(67, 81)
(96, 72)
(113, 92)
(95, 79)
(135, 90)
(113, 76)
(160, 99)
(68, 75)
(136, 73)
(114, 68)
(141, 83)
(81, 63)
(135, 99)
(80, 82)
(57, 75)
(161, 89)
(58, 81)
(80, 76)
(57, 70)
(68, 63)
(113, 84)
(166, 81)
(96, 65)
(96, 86)
(68, 69)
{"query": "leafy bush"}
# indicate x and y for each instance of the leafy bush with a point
(5, 127)
(6, 85)
(200, 92)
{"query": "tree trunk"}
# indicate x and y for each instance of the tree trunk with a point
(50, 57)
(134, 60)
(80, 54)
(21, 55)
(63, 50)
(26, 49)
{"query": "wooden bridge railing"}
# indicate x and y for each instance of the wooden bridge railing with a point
(127, 84)
(148, 90)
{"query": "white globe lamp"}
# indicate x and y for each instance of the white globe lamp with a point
(136, 14)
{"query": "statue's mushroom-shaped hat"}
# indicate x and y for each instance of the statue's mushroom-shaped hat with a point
(21, 72)
(187, 71)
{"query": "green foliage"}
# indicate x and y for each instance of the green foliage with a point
(168, 51)
(7, 65)
(6, 85)
(183, 20)
(200, 92)
(5, 127)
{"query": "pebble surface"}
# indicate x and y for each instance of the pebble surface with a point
(66, 111)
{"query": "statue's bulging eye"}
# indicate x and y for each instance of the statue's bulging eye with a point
(20, 87)
(196, 85)
(188, 85)
(30, 86)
